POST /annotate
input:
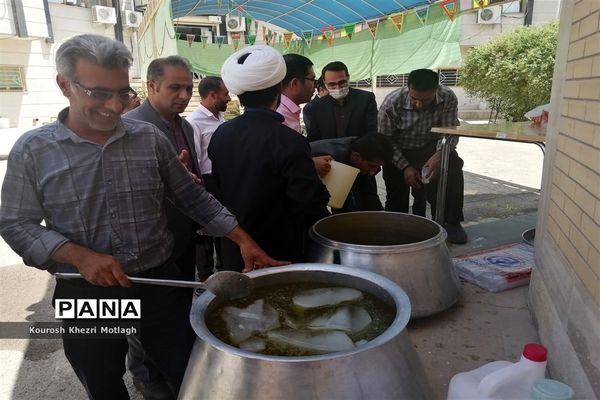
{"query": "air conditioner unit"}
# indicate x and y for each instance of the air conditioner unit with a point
(104, 15)
(132, 19)
(235, 24)
(490, 15)
(214, 18)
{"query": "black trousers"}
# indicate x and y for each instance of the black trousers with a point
(165, 332)
(398, 191)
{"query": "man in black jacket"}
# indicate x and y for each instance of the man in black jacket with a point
(345, 111)
(263, 169)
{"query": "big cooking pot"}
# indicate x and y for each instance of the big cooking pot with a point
(408, 249)
(386, 367)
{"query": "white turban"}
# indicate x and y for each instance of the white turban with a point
(263, 68)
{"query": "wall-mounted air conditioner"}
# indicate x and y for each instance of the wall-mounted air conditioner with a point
(490, 15)
(104, 15)
(235, 24)
(132, 19)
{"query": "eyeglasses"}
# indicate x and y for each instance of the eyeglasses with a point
(334, 85)
(104, 94)
(313, 79)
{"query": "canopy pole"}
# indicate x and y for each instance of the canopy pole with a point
(373, 77)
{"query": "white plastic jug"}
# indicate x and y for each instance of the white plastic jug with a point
(339, 181)
(501, 380)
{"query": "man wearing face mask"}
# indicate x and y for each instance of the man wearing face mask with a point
(345, 111)
(406, 117)
(367, 153)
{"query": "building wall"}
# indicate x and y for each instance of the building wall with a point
(42, 99)
(156, 34)
(565, 288)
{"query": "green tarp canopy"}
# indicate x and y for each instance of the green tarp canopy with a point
(430, 45)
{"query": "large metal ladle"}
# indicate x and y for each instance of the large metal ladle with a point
(228, 285)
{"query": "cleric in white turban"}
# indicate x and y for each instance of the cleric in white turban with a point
(262, 169)
(253, 68)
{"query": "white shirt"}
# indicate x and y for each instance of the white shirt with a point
(205, 124)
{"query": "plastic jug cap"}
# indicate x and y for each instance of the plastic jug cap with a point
(535, 352)
(548, 389)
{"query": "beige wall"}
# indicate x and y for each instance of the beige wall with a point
(41, 101)
(574, 191)
(565, 286)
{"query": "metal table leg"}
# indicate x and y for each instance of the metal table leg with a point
(443, 180)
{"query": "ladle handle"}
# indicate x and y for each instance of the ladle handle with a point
(148, 281)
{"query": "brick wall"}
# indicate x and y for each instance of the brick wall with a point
(574, 208)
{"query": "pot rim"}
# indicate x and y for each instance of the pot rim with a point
(401, 302)
(369, 249)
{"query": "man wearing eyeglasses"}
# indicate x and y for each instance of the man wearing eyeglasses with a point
(99, 182)
(345, 111)
(297, 88)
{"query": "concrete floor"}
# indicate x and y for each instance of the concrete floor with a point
(500, 203)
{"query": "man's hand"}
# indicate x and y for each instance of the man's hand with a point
(322, 165)
(254, 257)
(97, 268)
(184, 158)
(412, 177)
(433, 164)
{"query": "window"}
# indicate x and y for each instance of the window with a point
(12, 78)
(448, 77)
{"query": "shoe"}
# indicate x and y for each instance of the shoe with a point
(456, 233)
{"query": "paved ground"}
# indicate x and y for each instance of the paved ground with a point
(502, 190)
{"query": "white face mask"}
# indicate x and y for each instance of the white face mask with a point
(339, 93)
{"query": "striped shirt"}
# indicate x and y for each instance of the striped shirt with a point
(408, 128)
(109, 198)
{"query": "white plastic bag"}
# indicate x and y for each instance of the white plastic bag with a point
(497, 269)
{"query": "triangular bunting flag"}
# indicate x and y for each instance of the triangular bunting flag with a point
(235, 39)
(398, 20)
(256, 27)
(450, 7)
(220, 40)
(328, 34)
(480, 3)
(249, 23)
(349, 29)
(204, 40)
(264, 31)
(190, 39)
(308, 36)
(422, 14)
(251, 39)
(287, 38)
(373, 25)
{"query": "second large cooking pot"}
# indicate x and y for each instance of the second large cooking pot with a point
(408, 249)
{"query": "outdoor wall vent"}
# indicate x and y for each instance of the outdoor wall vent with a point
(490, 15)
(104, 15)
